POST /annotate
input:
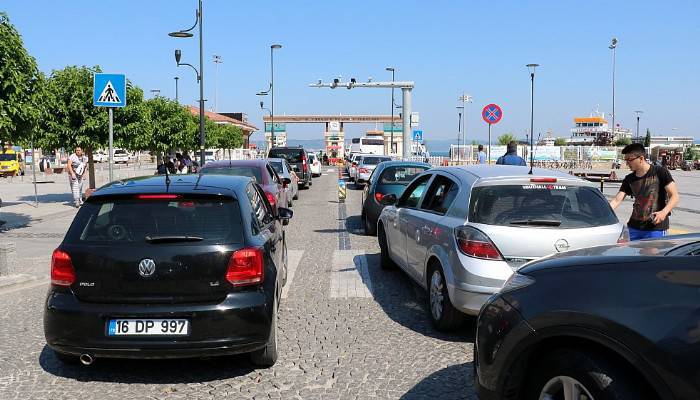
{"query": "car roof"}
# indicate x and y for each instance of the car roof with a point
(394, 163)
(482, 171)
(213, 184)
(236, 163)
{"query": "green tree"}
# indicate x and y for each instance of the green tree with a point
(170, 126)
(20, 82)
(560, 141)
(506, 138)
(647, 139)
(231, 137)
(622, 142)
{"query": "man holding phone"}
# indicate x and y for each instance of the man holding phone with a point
(654, 191)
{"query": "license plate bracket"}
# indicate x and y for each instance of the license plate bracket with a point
(148, 327)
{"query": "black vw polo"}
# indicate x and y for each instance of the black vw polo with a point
(188, 267)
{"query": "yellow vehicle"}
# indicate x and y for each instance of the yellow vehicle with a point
(10, 164)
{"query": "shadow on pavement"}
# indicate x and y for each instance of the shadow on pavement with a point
(407, 303)
(11, 220)
(454, 382)
(50, 198)
(192, 370)
(353, 224)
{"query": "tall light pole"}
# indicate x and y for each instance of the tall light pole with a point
(217, 60)
(271, 90)
(200, 74)
(531, 68)
(459, 129)
(391, 135)
(613, 46)
(638, 114)
(464, 98)
(177, 95)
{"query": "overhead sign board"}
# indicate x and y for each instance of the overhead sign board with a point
(109, 90)
(397, 127)
(415, 119)
(492, 114)
(279, 127)
(417, 136)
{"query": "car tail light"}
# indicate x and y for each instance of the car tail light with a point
(363, 170)
(474, 243)
(271, 199)
(354, 164)
(378, 196)
(62, 272)
(245, 267)
(624, 236)
(157, 196)
(543, 180)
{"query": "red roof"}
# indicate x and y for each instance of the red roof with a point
(222, 119)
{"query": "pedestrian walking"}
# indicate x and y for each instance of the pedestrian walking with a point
(77, 166)
(481, 155)
(654, 191)
(511, 157)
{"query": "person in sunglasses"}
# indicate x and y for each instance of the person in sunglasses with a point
(654, 191)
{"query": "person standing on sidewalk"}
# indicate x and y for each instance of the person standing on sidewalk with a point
(511, 157)
(654, 191)
(481, 155)
(77, 166)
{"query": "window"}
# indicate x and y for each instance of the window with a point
(369, 160)
(400, 175)
(253, 172)
(261, 208)
(413, 193)
(291, 155)
(373, 142)
(441, 194)
(277, 165)
(272, 174)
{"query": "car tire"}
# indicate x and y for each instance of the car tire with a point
(65, 358)
(588, 371)
(370, 229)
(443, 314)
(267, 356)
(385, 260)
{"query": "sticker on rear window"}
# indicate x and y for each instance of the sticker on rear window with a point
(544, 187)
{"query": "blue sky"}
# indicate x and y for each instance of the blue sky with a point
(445, 47)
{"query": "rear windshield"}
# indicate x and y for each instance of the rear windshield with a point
(130, 221)
(543, 205)
(291, 155)
(374, 160)
(277, 166)
(400, 175)
(252, 172)
(8, 157)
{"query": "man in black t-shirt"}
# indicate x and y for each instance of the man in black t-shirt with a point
(654, 191)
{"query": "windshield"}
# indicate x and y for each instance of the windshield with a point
(253, 172)
(133, 220)
(8, 157)
(374, 160)
(277, 166)
(291, 155)
(551, 205)
(400, 175)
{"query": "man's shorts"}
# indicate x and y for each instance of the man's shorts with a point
(636, 234)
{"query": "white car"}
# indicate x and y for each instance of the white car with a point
(352, 168)
(314, 164)
(366, 165)
(99, 157)
(121, 156)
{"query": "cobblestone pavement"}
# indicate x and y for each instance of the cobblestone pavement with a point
(349, 330)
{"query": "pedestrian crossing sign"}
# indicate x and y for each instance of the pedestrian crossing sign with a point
(109, 90)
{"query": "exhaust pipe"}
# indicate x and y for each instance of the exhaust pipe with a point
(86, 359)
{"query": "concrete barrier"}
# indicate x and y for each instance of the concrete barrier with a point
(8, 258)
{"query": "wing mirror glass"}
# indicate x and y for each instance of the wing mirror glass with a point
(284, 215)
(388, 200)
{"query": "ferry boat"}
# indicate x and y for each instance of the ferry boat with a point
(595, 130)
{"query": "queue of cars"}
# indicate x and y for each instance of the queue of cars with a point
(175, 266)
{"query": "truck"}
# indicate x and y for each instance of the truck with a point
(10, 163)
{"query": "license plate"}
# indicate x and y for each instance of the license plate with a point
(148, 327)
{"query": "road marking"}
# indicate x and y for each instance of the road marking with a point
(331, 170)
(350, 275)
(17, 288)
(677, 231)
(293, 260)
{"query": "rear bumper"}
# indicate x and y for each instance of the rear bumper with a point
(240, 323)
(470, 301)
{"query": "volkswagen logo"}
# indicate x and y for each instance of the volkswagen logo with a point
(147, 267)
(561, 245)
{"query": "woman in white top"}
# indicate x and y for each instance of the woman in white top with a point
(77, 166)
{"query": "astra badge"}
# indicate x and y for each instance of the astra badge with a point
(147, 267)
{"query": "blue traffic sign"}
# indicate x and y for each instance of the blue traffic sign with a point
(417, 136)
(109, 90)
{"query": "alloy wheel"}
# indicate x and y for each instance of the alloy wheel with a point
(436, 297)
(564, 388)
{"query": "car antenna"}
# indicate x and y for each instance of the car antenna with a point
(167, 176)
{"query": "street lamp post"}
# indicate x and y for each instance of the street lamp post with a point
(459, 130)
(217, 61)
(271, 90)
(638, 114)
(613, 46)
(200, 73)
(531, 68)
(391, 135)
(177, 95)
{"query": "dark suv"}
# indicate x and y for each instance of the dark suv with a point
(192, 267)
(296, 157)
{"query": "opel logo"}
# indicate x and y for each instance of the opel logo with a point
(147, 267)
(561, 245)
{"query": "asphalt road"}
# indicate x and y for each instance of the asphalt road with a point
(349, 330)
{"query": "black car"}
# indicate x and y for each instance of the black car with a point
(190, 267)
(297, 158)
(609, 322)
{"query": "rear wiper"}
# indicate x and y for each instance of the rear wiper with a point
(539, 222)
(172, 238)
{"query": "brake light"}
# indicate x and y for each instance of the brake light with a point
(157, 196)
(62, 272)
(474, 243)
(245, 267)
(271, 199)
(624, 236)
(378, 196)
(543, 180)
(304, 167)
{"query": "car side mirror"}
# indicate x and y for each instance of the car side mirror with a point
(388, 200)
(284, 215)
(286, 181)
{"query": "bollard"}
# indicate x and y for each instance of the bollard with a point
(341, 191)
